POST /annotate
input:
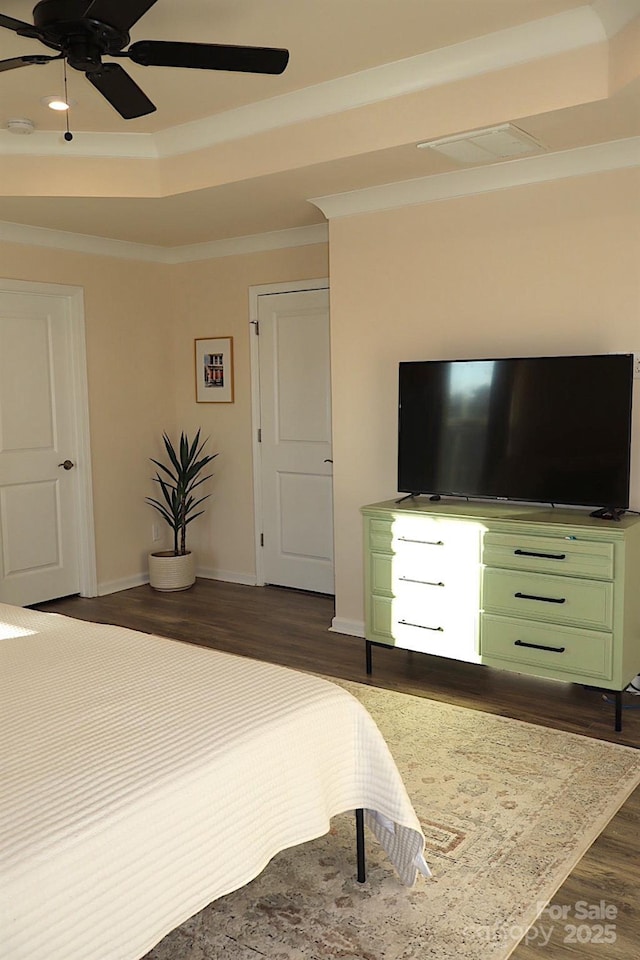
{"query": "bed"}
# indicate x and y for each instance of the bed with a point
(142, 778)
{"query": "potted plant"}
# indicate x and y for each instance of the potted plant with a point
(178, 478)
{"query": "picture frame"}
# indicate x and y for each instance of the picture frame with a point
(214, 370)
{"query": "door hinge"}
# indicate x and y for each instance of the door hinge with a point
(259, 434)
(262, 539)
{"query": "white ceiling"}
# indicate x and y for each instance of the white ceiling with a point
(328, 40)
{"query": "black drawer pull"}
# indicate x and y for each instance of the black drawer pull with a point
(538, 646)
(428, 543)
(530, 596)
(425, 583)
(542, 556)
(421, 626)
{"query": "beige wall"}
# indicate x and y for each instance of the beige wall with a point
(129, 365)
(542, 269)
(211, 299)
(141, 320)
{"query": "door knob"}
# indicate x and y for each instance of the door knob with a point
(68, 464)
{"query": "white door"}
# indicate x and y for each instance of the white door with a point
(39, 546)
(295, 445)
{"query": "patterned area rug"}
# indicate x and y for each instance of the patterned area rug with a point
(507, 809)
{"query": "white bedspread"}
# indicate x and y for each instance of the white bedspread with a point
(142, 778)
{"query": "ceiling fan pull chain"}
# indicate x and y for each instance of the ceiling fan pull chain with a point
(68, 135)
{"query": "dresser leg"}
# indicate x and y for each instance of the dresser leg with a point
(367, 652)
(618, 711)
(360, 854)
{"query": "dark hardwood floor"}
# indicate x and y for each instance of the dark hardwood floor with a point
(292, 628)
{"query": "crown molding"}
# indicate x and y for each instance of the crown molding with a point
(598, 158)
(616, 14)
(124, 250)
(537, 40)
(108, 146)
(234, 246)
(77, 242)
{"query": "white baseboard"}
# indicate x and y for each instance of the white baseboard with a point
(229, 576)
(353, 628)
(207, 573)
(114, 586)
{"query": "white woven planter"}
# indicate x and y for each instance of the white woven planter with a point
(168, 572)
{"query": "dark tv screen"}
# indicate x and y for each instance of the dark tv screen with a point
(539, 429)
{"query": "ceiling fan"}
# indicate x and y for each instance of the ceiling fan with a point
(84, 31)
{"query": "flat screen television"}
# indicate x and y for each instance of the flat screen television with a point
(535, 429)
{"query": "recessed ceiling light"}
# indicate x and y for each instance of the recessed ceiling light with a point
(57, 103)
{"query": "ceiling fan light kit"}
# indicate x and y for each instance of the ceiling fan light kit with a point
(85, 31)
(57, 103)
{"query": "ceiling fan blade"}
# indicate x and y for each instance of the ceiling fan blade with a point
(118, 13)
(26, 61)
(208, 56)
(19, 26)
(121, 91)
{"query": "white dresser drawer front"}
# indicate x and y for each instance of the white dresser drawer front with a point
(456, 640)
(444, 536)
(434, 552)
(426, 605)
(436, 570)
(422, 561)
(556, 555)
(508, 643)
(533, 596)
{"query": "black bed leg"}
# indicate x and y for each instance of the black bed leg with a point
(360, 845)
(367, 653)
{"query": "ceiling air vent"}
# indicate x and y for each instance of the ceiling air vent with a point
(493, 143)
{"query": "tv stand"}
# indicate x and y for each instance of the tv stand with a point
(549, 593)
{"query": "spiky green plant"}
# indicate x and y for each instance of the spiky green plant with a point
(177, 480)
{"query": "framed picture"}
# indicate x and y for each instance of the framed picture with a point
(214, 370)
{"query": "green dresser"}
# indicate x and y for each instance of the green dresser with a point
(548, 592)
